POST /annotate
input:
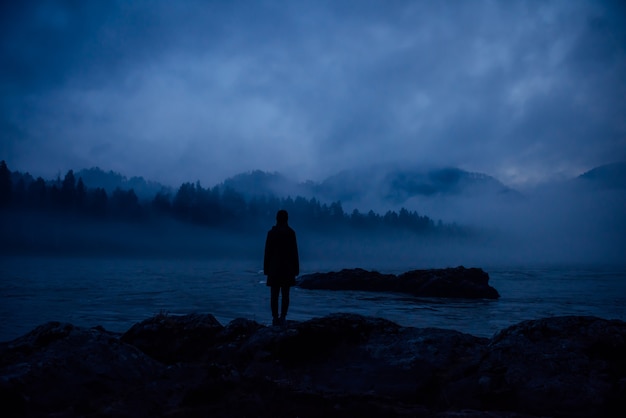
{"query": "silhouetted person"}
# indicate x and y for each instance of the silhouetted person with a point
(281, 265)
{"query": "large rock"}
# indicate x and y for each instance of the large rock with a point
(338, 365)
(570, 366)
(171, 338)
(459, 282)
(62, 370)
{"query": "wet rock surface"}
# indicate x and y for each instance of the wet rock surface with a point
(338, 365)
(457, 282)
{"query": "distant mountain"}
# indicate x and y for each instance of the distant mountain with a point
(373, 184)
(109, 181)
(608, 176)
(398, 185)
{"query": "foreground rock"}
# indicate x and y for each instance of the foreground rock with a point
(459, 282)
(339, 365)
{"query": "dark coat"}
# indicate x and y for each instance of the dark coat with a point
(281, 264)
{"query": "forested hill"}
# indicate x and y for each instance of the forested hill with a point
(219, 206)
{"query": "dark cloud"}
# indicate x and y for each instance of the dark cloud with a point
(180, 91)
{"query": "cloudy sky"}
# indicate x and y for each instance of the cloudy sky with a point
(526, 91)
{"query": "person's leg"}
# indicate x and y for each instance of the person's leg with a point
(284, 307)
(275, 290)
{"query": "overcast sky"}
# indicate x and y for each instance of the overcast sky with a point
(177, 91)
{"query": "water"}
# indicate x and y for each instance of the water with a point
(117, 293)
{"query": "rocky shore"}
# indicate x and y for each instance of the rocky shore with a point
(334, 366)
(458, 282)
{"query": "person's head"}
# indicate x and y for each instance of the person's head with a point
(281, 217)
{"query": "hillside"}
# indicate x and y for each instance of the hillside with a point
(109, 181)
(608, 176)
(381, 184)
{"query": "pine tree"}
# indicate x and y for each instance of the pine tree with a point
(68, 189)
(5, 185)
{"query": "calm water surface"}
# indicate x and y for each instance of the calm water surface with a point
(116, 293)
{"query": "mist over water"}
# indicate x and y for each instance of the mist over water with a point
(543, 229)
(551, 225)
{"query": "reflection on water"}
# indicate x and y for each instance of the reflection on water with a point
(116, 293)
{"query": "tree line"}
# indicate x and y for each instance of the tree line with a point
(214, 206)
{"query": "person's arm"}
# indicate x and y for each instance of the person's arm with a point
(266, 258)
(295, 255)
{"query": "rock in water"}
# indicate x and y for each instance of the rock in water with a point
(459, 282)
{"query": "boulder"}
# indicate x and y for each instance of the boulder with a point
(571, 366)
(62, 370)
(337, 365)
(170, 339)
(458, 282)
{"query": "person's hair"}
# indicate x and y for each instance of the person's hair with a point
(282, 216)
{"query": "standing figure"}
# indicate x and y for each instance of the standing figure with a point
(281, 265)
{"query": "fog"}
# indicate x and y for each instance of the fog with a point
(555, 224)
(560, 224)
(58, 235)
(566, 222)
